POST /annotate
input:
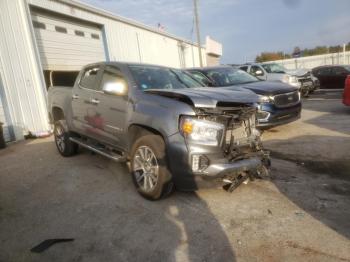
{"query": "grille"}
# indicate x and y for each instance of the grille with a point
(288, 99)
(239, 133)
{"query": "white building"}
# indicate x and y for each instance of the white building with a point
(43, 38)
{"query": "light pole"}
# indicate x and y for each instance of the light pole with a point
(198, 32)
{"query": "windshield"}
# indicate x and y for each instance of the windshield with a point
(153, 77)
(229, 76)
(274, 68)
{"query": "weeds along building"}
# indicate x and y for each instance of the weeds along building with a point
(45, 42)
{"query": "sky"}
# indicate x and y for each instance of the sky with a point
(244, 27)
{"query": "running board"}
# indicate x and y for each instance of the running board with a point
(114, 156)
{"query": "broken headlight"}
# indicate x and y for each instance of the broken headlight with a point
(201, 131)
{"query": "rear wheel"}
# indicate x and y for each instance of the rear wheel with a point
(149, 167)
(64, 145)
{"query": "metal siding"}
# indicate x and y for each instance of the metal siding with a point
(213, 60)
(127, 42)
(3, 117)
(22, 81)
(4, 121)
(67, 51)
(192, 56)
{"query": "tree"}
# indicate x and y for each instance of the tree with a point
(320, 50)
(271, 56)
(298, 52)
(335, 49)
(268, 56)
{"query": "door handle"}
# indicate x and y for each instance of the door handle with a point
(75, 96)
(94, 101)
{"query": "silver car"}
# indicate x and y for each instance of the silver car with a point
(300, 78)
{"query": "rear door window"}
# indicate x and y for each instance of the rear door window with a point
(89, 79)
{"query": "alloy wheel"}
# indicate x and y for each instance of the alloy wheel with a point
(146, 168)
(59, 137)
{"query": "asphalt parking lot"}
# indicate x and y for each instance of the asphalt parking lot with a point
(301, 214)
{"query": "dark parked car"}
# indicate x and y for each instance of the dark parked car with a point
(279, 103)
(332, 76)
(173, 132)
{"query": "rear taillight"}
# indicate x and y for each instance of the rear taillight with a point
(346, 93)
(347, 82)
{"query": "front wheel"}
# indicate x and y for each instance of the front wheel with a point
(304, 92)
(149, 167)
(64, 145)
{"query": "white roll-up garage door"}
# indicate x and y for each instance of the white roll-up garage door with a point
(3, 118)
(5, 124)
(66, 45)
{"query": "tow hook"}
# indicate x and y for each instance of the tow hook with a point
(261, 173)
(232, 183)
(264, 170)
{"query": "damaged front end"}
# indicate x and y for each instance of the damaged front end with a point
(221, 141)
(234, 154)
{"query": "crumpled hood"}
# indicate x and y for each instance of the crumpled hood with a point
(266, 87)
(208, 96)
(298, 72)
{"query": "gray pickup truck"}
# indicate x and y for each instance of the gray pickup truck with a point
(174, 133)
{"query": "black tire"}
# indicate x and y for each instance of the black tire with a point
(163, 185)
(64, 145)
(305, 92)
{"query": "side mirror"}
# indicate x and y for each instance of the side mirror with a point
(259, 73)
(115, 88)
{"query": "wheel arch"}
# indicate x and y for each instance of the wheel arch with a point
(56, 114)
(136, 131)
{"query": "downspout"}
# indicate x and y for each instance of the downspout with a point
(138, 47)
(105, 43)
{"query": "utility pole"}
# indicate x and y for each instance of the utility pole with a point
(198, 32)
